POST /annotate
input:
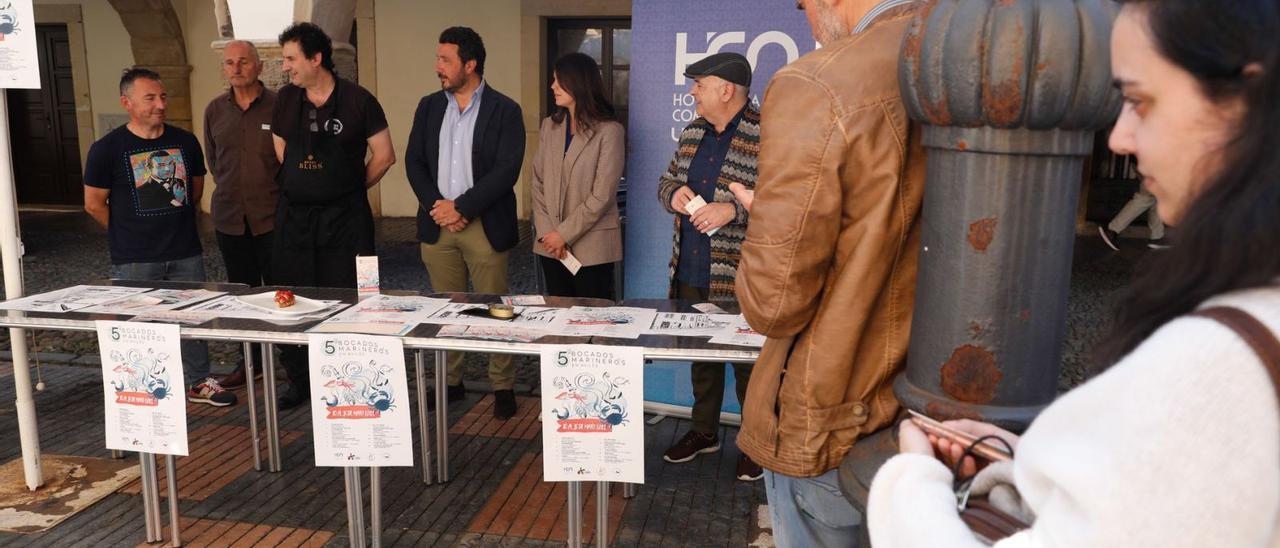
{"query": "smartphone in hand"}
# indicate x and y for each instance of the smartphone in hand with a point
(984, 449)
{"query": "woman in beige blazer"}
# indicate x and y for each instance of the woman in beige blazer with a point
(581, 149)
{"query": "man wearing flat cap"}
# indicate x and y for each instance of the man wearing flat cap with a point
(715, 150)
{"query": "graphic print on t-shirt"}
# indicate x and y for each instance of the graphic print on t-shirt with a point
(159, 179)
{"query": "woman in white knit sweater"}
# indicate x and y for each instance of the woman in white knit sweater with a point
(1177, 443)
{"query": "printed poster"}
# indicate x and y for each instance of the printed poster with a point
(19, 58)
(359, 401)
(144, 395)
(592, 413)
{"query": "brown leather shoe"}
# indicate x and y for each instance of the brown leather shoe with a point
(235, 379)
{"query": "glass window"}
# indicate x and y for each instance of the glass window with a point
(588, 41)
(622, 46)
(621, 85)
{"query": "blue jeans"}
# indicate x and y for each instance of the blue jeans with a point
(810, 511)
(195, 354)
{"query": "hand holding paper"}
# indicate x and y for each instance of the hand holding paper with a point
(708, 218)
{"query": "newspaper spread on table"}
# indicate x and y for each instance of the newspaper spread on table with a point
(72, 299)
(157, 300)
(739, 334)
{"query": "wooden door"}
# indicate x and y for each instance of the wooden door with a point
(42, 122)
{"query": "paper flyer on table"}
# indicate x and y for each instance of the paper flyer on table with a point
(524, 300)
(72, 298)
(529, 316)
(144, 394)
(689, 324)
(615, 321)
(505, 333)
(382, 315)
(592, 413)
(184, 317)
(359, 401)
(739, 334)
(153, 301)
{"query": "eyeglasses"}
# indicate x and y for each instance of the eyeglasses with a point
(315, 128)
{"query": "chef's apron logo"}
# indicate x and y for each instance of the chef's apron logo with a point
(311, 164)
(333, 126)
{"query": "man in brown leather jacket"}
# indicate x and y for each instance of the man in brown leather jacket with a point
(829, 265)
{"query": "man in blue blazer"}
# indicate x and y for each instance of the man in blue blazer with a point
(463, 160)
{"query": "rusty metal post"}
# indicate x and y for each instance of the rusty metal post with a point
(1010, 94)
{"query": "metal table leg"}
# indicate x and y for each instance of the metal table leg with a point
(150, 497)
(171, 476)
(630, 490)
(575, 514)
(424, 429)
(253, 406)
(602, 514)
(355, 506)
(442, 417)
(375, 506)
(117, 454)
(269, 403)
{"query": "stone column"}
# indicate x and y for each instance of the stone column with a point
(157, 42)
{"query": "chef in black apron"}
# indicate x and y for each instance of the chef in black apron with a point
(323, 218)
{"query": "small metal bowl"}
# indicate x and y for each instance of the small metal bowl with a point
(503, 311)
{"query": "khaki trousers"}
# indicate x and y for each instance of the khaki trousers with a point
(449, 261)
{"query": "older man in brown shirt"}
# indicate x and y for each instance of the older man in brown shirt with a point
(242, 159)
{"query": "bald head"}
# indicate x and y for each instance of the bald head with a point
(241, 64)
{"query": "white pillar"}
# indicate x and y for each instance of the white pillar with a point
(10, 252)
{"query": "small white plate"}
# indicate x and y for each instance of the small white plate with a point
(267, 302)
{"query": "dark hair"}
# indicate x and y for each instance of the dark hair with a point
(133, 73)
(311, 40)
(470, 46)
(579, 76)
(1229, 236)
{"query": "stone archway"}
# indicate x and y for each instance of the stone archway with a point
(156, 39)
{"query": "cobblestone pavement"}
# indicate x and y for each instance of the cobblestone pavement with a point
(67, 248)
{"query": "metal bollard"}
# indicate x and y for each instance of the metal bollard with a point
(1010, 95)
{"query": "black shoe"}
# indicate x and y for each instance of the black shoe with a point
(453, 393)
(290, 399)
(504, 404)
(1158, 244)
(690, 446)
(1109, 237)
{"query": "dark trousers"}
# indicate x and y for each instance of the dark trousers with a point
(708, 378)
(594, 281)
(248, 261)
(247, 257)
(316, 246)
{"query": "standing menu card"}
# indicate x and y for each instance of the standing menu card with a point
(359, 400)
(592, 413)
(144, 395)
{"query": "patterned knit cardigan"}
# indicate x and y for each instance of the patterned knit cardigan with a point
(739, 167)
